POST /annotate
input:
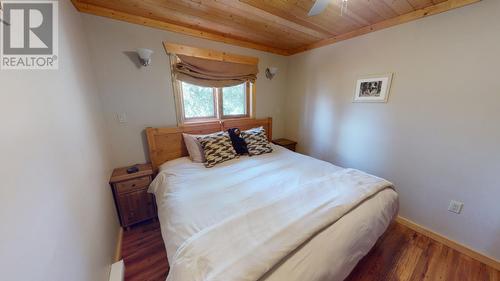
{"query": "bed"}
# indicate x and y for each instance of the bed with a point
(251, 218)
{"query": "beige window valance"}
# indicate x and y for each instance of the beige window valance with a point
(211, 73)
(211, 68)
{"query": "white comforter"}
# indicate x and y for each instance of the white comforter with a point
(238, 220)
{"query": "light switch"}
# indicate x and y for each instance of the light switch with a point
(455, 206)
(121, 117)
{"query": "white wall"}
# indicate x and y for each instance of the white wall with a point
(438, 137)
(145, 94)
(57, 216)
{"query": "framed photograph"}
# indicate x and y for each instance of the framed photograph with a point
(373, 88)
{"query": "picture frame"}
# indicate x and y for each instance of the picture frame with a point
(374, 88)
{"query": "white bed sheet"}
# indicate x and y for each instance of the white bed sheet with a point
(330, 255)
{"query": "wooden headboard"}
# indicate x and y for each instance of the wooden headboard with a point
(167, 143)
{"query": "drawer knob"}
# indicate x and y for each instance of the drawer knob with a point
(133, 185)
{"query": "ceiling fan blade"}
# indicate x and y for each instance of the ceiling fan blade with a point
(318, 7)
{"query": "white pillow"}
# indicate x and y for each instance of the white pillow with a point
(194, 148)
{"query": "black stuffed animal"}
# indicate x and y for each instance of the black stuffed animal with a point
(239, 143)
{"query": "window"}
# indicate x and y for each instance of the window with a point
(216, 100)
(234, 100)
(199, 103)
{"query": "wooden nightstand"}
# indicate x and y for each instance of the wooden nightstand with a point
(286, 143)
(133, 203)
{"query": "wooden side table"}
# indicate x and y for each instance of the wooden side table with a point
(290, 144)
(133, 203)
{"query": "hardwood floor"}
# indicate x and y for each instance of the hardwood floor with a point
(401, 254)
(144, 253)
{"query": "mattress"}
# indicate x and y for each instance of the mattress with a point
(329, 255)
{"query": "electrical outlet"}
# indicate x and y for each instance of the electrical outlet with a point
(121, 117)
(455, 206)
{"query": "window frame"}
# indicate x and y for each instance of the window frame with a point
(218, 105)
(198, 119)
(247, 103)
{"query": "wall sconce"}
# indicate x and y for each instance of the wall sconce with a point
(271, 71)
(144, 56)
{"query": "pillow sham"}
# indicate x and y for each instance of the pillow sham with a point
(217, 148)
(194, 147)
(256, 140)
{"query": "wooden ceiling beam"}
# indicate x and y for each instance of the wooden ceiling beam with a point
(418, 14)
(117, 15)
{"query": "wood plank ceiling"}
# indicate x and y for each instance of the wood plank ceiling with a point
(277, 26)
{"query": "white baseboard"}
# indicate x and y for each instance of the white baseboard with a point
(117, 271)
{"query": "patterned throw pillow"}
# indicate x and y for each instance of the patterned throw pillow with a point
(257, 142)
(217, 148)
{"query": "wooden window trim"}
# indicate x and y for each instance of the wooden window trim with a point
(177, 49)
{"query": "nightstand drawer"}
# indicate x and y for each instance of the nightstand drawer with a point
(131, 185)
(136, 207)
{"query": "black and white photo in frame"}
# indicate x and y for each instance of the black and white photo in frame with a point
(373, 88)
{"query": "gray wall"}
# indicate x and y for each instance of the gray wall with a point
(438, 137)
(145, 94)
(56, 210)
